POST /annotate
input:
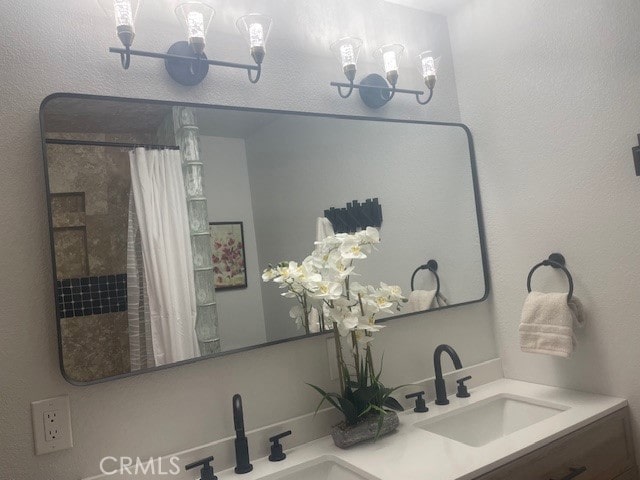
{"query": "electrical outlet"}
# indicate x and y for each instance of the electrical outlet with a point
(51, 425)
(51, 430)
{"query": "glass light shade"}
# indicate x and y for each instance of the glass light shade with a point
(390, 56)
(347, 50)
(255, 28)
(124, 12)
(195, 17)
(428, 66)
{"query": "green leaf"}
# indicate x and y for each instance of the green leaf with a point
(381, 364)
(325, 397)
(349, 411)
(366, 394)
(381, 414)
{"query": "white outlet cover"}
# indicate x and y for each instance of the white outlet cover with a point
(51, 420)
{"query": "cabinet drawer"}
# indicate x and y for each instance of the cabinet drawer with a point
(604, 448)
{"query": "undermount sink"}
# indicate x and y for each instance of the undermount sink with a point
(490, 419)
(323, 468)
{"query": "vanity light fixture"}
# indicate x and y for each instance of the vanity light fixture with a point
(374, 90)
(186, 61)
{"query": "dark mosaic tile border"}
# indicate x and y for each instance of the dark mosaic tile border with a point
(78, 297)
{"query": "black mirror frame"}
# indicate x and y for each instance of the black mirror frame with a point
(476, 191)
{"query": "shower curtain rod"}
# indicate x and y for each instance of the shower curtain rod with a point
(89, 143)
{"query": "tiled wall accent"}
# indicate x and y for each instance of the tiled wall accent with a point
(78, 297)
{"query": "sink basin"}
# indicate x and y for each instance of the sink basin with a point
(491, 419)
(323, 468)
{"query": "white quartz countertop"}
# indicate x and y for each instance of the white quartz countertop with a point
(412, 453)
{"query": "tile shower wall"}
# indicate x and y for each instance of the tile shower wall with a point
(90, 193)
(78, 297)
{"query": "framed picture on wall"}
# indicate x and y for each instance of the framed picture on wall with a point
(227, 246)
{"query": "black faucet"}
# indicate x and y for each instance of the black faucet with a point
(242, 445)
(441, 389)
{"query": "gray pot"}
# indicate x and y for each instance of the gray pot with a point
(346, 436)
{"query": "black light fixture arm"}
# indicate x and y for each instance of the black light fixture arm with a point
(257, 77)
(424, 102)
(381, 89)
(375, 92)
(125, 57)
(167, 56)
(340, 86)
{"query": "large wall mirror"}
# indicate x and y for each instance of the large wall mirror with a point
(163, 217)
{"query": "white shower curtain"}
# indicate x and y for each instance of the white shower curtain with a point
(161, 207)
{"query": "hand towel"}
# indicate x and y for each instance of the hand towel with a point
(548, 323)
(419, 301)
(324, 229)
(441, 301)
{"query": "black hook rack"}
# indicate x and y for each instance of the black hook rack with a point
(355, 216)
(555, 260)
(432, 266)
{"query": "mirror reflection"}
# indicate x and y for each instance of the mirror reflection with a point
(163, 218)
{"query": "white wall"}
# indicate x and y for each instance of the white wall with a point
(226, 186)
(298, 167)
(550, 89)
(60, 45)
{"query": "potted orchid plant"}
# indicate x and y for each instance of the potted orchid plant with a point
(327, 299)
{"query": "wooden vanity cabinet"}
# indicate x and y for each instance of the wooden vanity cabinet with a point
(602, 450)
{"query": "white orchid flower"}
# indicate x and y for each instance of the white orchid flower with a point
(352, 250)
(269, 274)
(327, 290)
(347, 324)
(393, 292)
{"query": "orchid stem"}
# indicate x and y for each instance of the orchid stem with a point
(336, 337)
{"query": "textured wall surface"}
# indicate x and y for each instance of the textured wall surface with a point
(62, 46)
(226, 186)
(427, 175)
(550, 90)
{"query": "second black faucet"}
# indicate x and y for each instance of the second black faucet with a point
(441, 389)
(242, 445)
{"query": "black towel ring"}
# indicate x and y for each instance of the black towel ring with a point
(555, 260)
(432, 266)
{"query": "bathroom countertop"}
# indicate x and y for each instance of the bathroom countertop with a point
(412, 453)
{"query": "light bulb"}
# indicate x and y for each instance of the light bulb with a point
(255, 29)
(196, 17)
(390, 56)
(390, 62)
(347, 55)
(256, 35)
(347, 50)
(124, 12)
(428, 68)
(195, 25)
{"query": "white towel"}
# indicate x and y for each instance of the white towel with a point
(324, 229)
(421, 300)
(548, 322)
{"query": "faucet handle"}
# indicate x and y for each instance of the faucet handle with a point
(277, 454)
(421, 405)
(462, 388)
(206, 472)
